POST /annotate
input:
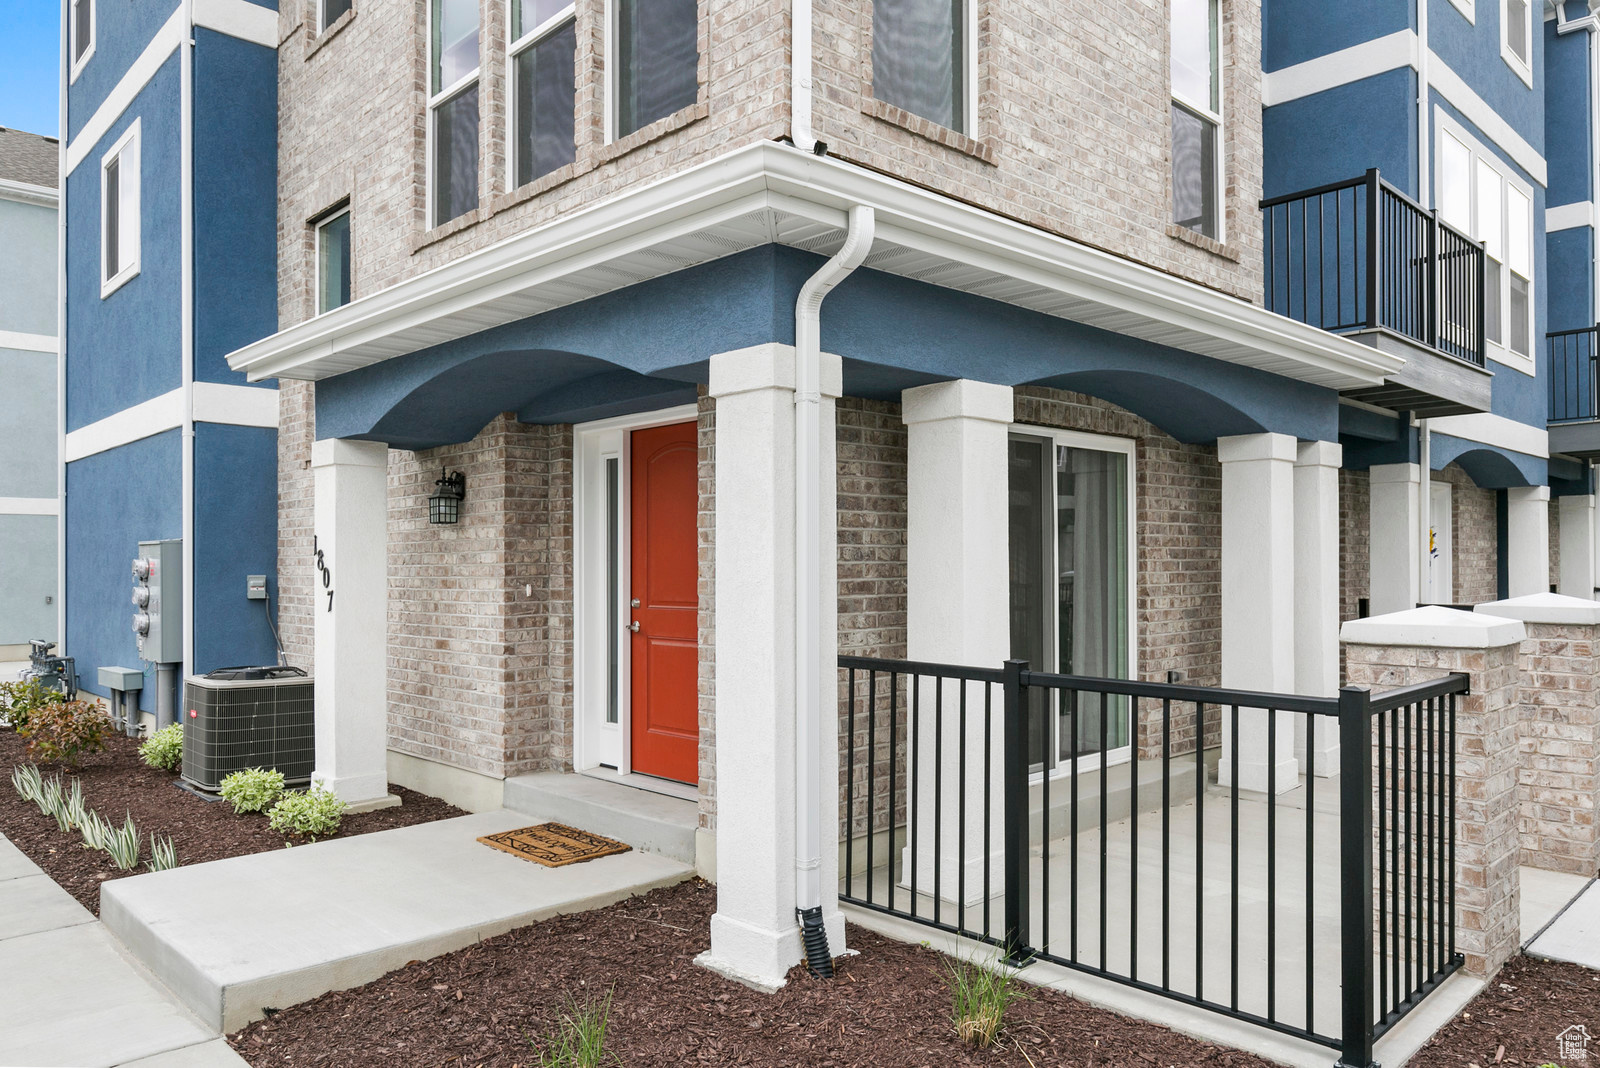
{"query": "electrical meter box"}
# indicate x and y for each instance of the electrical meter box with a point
(158, 601)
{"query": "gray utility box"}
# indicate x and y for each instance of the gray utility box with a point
(158, 601)
(238, 718)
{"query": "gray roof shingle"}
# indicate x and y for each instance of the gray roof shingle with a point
(29, 158)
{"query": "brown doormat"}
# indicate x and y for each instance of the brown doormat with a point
(555, 844)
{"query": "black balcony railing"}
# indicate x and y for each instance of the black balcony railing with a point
(1574, 391)
(948, 821)
(1361, 255)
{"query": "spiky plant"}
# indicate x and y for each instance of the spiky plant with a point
(580, 1039)
(123, 845)
(73, 809)
(95, 830)
(28, 782)
(163, 854)
(980, 995)
(50, 796)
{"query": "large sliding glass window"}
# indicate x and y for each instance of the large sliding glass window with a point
(1071, 589)
(919, 58)
(658, 60)
(544, 48)
(453, 108)
(1196, 117)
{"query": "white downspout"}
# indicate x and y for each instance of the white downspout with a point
(1425, 591)
(800, 76)
(809, 593)
(62, 128)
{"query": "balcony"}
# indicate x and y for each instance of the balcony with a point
(1362, 259)
(1574, 392)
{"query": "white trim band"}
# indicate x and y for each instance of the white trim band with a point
(213, 403)
(29, 506)
(239, 18)
(1568, 217)
(1495, 430)
(42, 196)
(13, 339)
(162, 45)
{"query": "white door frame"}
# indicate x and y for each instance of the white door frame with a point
(594, 741)
(1442, 553)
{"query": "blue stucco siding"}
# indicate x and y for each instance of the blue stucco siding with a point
(1338, 134)
(235, 200)
(1293, 32)
(1472, 51)
(235, 535)
(126, 28)
(127, 347)
(1568, 114)
(646, 346)
(115, 500)
(27, 268)
(1489, 466)
(1570, 292)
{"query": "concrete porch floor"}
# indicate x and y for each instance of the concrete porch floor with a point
(1208, 893)
(235, 936)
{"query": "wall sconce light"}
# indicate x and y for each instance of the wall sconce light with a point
(445, 504)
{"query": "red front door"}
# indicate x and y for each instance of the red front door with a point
(665, 624)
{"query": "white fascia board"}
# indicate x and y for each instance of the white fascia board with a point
(29, 506)
(1568, 217)
(239, 18)
(1495, 430)
(27, 193)
(1356, 63)
(768, 177)
(1454, 88)
(215, 402)
(144, 420)
(12, 339)
(162, 45)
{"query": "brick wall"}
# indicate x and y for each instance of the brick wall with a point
(1073, 134)
(1559, 737)
(1476, 538)
(297, 419)
(1355, 541)
(1555, 541)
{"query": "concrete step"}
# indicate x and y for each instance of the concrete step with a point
(649, 821)
(236, 936)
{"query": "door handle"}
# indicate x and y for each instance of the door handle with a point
(634, 603)
(634, 627)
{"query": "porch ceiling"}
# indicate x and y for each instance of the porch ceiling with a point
(769, 193)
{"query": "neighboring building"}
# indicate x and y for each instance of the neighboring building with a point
(168, 179)
(28, 366)
(968, 337)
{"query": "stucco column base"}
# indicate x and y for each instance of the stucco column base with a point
(1423, 644)
(1558, 779)
(1258, 611)
(1316, 601)
(350, 611)
(758, 957)
(1576, 577)
(1393, 529)
(1527, 540)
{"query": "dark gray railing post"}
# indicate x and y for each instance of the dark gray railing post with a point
(1015, 785)
(1435, 286)
(1483, 306)
(1355, 877)
(1374, 256)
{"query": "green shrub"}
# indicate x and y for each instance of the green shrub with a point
(164, 748)
(61, 732)
(19, 700)
(252, 790)
(314, 813)
(580, 1040)
(980, 995)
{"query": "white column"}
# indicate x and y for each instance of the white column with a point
(754, 933)
(957, 612)
(1527, 540)
(1316, 601)
(1258, 614)
(1394, 527)
(1576, 578)
(350, 608)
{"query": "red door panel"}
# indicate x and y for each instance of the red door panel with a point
(665, 583)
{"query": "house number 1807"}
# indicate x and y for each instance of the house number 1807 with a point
(327, 572)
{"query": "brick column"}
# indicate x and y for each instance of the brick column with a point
(1559, 773)
(1406, 648)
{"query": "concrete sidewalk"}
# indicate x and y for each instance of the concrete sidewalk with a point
(1574, 935)
(70, 995)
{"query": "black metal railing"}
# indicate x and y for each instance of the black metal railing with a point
(1574, 389)
(1147, 872)
(1361, 255)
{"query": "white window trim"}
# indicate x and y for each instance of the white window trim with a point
(517, 47)
(1128, 447)
(444, 96)
(1206, 114)
(1468, 9)
(1523, 68)
(323, 21)
(126, 149)
(72, 37)
(1500, 352)
(316, 256)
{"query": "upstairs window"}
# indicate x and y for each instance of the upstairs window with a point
(1516, 37)
(453, 109)
(329, 12)
(658, 60)
(333, 261)
(119, 212)
(80, 14)
(544, 48)
(919, 58)
(1196, 117)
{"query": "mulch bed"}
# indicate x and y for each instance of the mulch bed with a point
(1515, 1021)
(117, 783)
(887, 1007)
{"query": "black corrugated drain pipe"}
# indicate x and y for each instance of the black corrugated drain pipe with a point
(818, 957)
